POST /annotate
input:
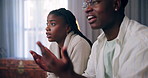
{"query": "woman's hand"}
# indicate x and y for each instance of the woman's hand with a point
(49, 62)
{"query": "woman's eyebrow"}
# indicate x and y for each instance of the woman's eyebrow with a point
(50, 20)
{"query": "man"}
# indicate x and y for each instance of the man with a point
(119, 52)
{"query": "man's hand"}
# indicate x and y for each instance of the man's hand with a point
(50, 63)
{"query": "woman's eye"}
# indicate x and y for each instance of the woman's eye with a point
(52, 24)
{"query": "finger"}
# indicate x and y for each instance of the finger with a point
(45, 51)
(35, 56)
(50, 57)
(37, 59)
(66, 59)
(40, 44)
(49, 53)
(42, 65)
(64, 55)
(34, 53)
(42, 48)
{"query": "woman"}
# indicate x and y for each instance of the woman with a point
(63, 31)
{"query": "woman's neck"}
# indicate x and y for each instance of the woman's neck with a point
(60, 44)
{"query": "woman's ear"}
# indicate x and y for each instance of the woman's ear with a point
(68, 28)
(117, 5)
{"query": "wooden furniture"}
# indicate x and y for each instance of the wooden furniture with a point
(14, 68)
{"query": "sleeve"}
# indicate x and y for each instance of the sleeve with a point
(90, 72)
(135, 63)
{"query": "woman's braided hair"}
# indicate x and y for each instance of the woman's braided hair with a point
(70, 20)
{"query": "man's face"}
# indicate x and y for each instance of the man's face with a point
(100, 13)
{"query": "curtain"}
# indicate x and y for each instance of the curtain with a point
(9, 12)
(138, 10)
(23, 24)
(76, 7)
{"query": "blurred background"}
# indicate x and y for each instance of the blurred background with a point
(23, 22)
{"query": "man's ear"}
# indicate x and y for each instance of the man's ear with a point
(117, 5)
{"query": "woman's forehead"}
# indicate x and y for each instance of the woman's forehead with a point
(53, 16)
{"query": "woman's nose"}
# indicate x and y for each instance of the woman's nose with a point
(48, 28)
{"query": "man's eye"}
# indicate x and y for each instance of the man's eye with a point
(52, 24)
(95, 2)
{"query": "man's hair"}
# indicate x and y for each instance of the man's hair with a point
(124, 3)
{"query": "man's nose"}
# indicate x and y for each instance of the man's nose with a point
(88, 9)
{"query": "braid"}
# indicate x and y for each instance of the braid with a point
(71, 20)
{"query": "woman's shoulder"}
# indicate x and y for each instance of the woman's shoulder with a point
(79, 40)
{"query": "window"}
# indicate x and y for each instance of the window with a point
(35, 16)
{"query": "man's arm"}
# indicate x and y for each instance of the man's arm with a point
(61, 67)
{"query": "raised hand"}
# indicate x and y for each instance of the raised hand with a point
(50, 63)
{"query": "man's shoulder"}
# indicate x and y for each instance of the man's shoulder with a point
(136, 35)
(137, 30)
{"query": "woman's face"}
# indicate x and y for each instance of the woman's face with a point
(56, 29)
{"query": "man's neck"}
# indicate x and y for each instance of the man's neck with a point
(112, 32)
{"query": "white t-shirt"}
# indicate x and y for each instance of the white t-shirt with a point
(108, 56)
